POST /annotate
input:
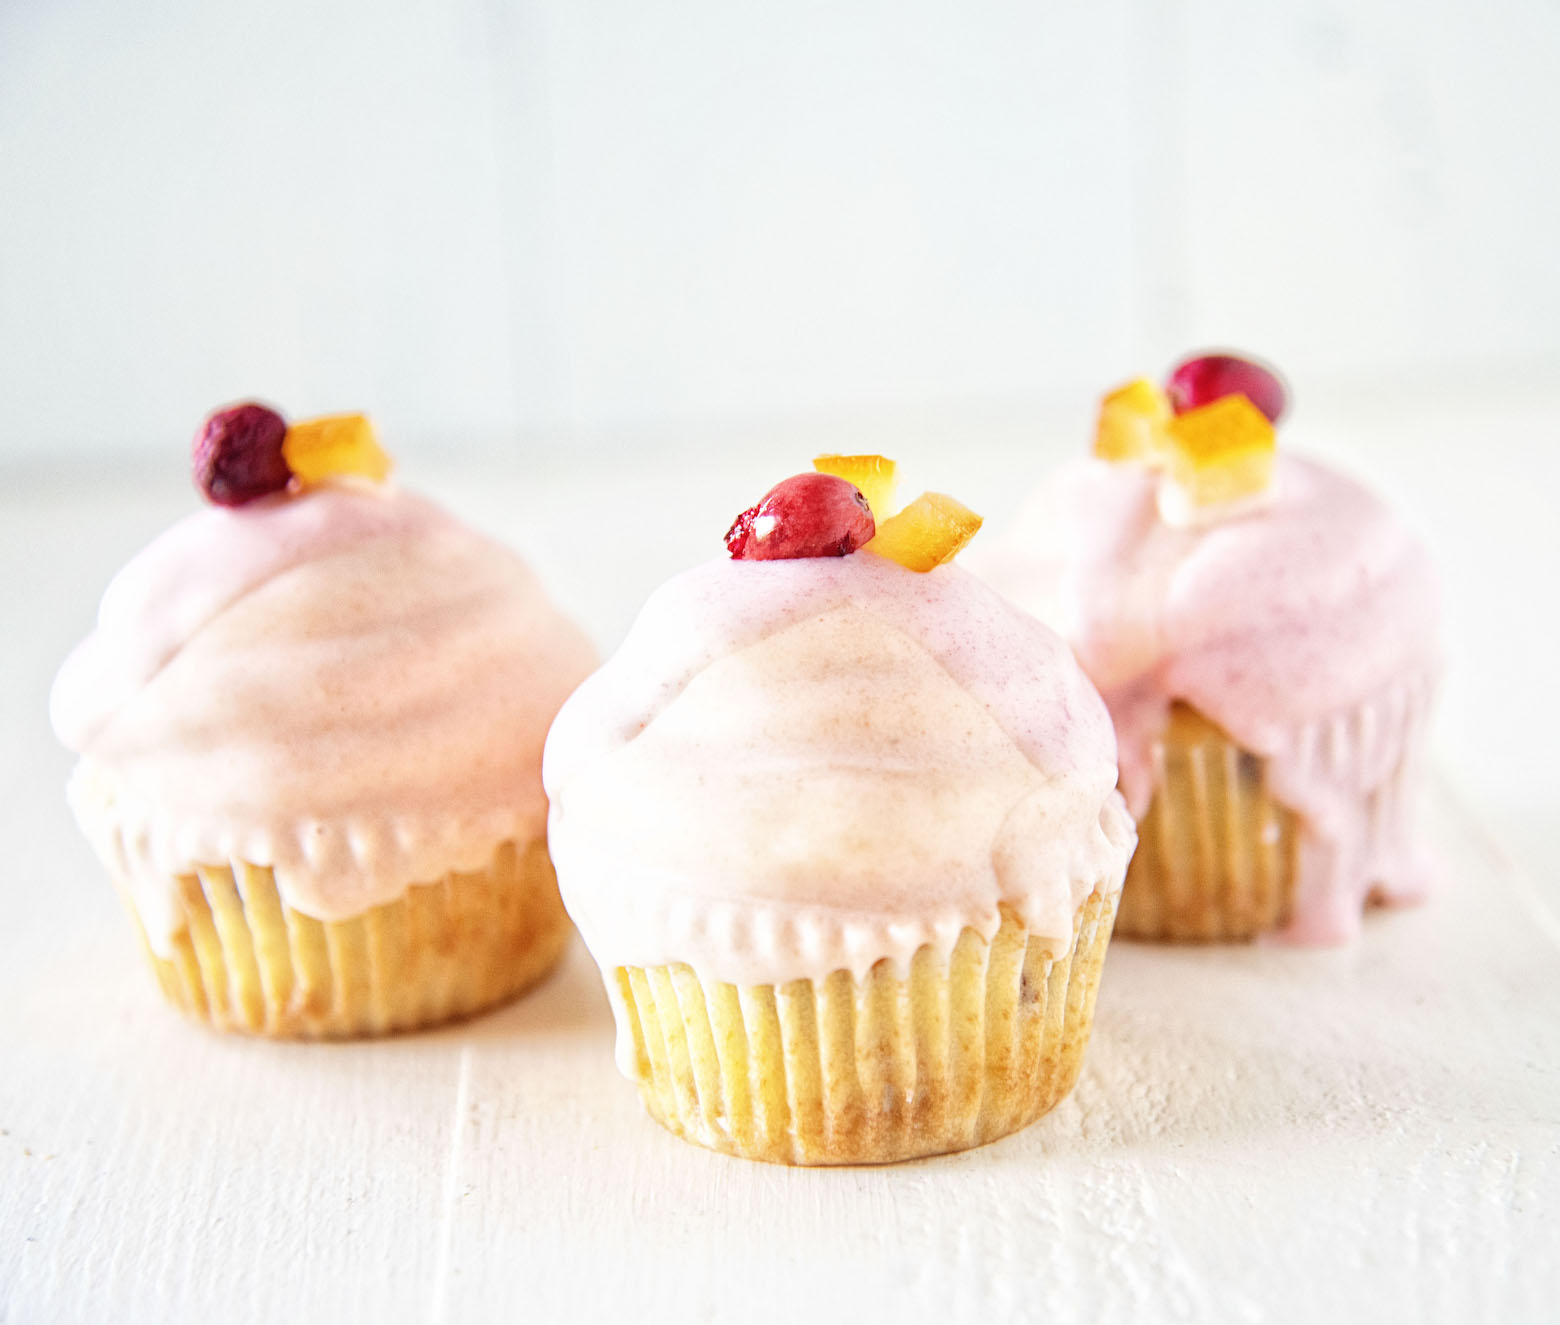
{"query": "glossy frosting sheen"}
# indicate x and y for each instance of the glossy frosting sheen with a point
(349, 686)
(797, 767)
(1305, 627)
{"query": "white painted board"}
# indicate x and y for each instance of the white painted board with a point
(1364, 1134)
(1258, 1135)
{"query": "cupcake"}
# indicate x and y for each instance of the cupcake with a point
(310, 725)
(1263, 630)
(840, 827)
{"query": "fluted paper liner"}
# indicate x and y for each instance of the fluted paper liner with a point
(1216, 855)
(968, 1048)
(1219, 857)
(246, 961)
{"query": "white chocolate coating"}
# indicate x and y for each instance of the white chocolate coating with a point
(1304, 626)
(348, 686)
(796, 767)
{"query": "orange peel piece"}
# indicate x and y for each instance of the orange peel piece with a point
(928, 533)
(1133, 423)
(874, 476)
(335, 445)
(1221, 452)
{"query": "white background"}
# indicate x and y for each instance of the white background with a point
(542, 236)
(516, 221)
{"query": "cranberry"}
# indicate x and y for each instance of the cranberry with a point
(238, 455)
(1209, 377)
(810, 515)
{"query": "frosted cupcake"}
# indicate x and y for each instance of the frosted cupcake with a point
(840, 827)
(1264, 632)
(310, 722)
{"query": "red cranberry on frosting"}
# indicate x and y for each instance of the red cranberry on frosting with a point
(1208, 377)
(238, 455)
(808, 515)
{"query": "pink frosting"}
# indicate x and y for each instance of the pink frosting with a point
(797, 767)
(1017, 669)
(347, 686)
(191, 571)
(1304, 626)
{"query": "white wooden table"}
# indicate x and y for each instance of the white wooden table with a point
(1367, 1134)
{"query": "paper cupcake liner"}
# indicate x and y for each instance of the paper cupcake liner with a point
(246, 961)
(1221, 858)
(1217, 855)
(968, 1048)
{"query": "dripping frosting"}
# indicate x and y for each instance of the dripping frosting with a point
(347, 686)
(797, 767)
(1305, 627)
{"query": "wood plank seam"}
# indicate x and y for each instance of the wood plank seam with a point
(441, 1266)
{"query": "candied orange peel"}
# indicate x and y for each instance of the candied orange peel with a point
(874, 476)
(928, 533)
(1133, 423)
(1220, 452)
(332, 446)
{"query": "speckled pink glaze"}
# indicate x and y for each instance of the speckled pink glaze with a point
(1304, 626)
(192, 570)
(348, 686)
(797, 767)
